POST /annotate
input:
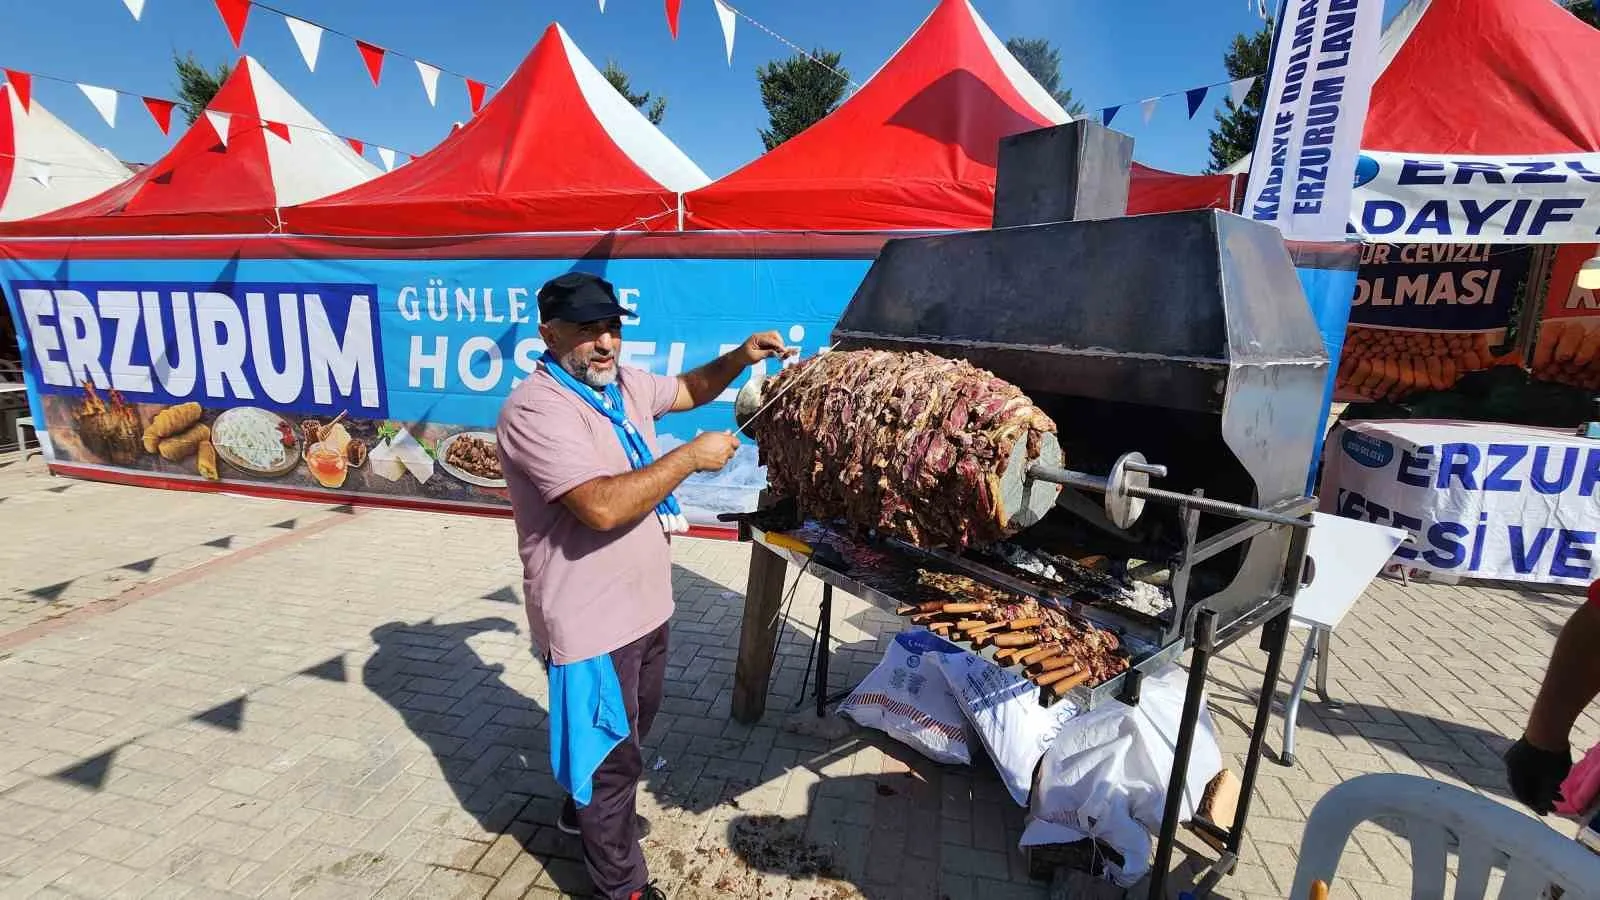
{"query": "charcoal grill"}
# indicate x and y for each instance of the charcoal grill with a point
(1181, 362)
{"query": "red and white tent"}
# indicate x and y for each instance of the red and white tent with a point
(916, 146)
(254, 151)
(45, 165)
(557, 149)
(1492, 77)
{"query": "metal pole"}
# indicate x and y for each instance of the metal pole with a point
(824, 630)
(1273, 636)
(1205, 641)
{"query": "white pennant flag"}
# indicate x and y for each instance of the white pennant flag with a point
(602, 6)
(725, 15)
(104, 100)
(387, 157)
(40, 172)
(1148, 107)
(307, 37)
(219, 123)
(136, 7)
(430, 81)
(1239, 89)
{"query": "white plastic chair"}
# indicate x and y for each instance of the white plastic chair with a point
(1437, 818)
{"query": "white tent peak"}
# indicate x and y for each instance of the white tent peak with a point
(78, 168)
(632, 132)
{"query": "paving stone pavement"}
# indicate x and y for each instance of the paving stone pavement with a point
(206, 696)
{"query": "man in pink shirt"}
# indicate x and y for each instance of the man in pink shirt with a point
(594, 510)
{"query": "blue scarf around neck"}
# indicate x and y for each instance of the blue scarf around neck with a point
(609, 403)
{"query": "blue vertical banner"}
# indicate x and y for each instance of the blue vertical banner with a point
(1327, 272)
(1324, 61)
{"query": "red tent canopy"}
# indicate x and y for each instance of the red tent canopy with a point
(557, 149)
(916, 146)
(1487, 77)
(205, 185)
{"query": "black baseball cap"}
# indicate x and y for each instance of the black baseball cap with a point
(579, 298)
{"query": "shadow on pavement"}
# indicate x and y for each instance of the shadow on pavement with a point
(490, 740)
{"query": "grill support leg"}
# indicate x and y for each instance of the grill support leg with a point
(1205, 641)
(1273, 637)
(758, 634)
(824, 636)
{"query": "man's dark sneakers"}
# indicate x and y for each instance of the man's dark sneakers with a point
(567, 822)
(648, 892)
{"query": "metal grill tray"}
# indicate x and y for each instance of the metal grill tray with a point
(884, 573)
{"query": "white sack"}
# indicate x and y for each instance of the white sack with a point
(1003, 708)
(1105, 776)
(906, 698)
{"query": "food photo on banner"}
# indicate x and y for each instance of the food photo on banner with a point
(370, 379)
(1568, 348)
(1424, 315)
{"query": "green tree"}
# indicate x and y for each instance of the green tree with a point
(1234, 135)
(798, 91)
(1586, 10)
(197, 85)
(1043, 62)
(657, 108)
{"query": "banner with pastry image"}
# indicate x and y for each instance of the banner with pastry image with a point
(1424, 315)
(1568, 348)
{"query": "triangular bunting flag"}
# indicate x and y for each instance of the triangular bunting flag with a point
(104, 100)
(386, 156)
(161, 111)
(602, 6)
(475, 91)
(1195, 96)
(411, 157)
(725, 15)
(1240, 89)
(372, 55)
(277, 128)
(430, 81)
(39, 172)
(357, 146)
(1148, 107)
(673, 7)
(136, 7)
(1109, 113)
(234, 15)
(219, 123)
(307, 37)
(22, 84)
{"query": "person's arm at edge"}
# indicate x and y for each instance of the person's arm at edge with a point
(1571, 682)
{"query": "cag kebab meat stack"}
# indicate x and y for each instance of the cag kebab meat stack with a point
(910, 444)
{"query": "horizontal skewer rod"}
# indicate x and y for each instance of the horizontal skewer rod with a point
(1221, 507)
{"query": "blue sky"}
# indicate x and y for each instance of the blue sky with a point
(1113, 51)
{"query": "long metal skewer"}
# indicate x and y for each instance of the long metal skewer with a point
(774, 399)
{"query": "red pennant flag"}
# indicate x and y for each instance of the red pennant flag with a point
(372, 55)
(277, 128)
(22, 83)
(673, 6)
(161, 111)
(475, 94)
(234, 14)
(357, 146)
